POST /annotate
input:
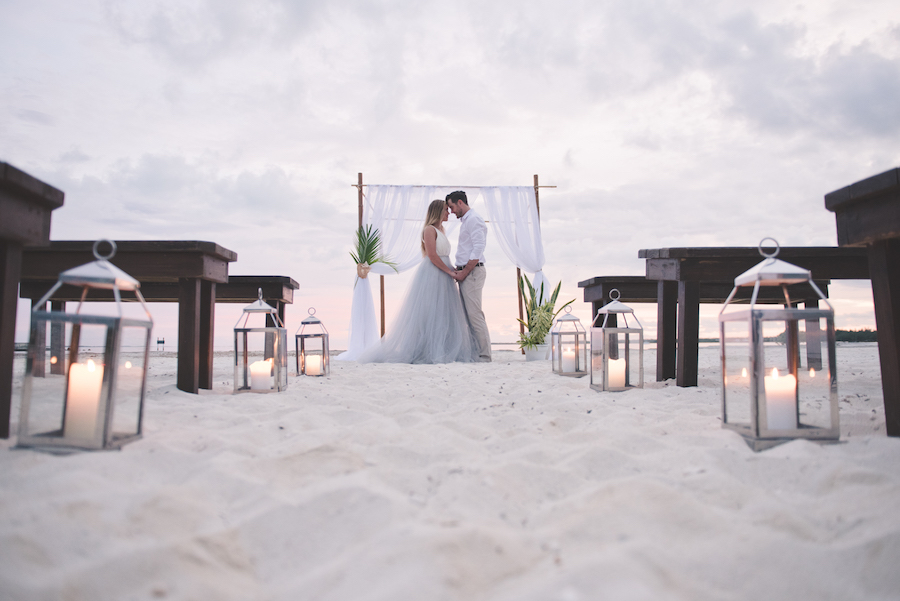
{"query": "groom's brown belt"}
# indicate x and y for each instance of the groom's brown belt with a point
(461, 267)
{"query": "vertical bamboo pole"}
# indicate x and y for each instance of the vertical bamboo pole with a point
(519, 271)
(359, 189)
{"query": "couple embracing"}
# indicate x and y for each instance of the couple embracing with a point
(441, 319)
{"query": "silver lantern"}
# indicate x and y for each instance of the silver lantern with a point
(568, 346)
(617, 350)
(97, 400)
(260, 350)
(311, 344)
(767, 397)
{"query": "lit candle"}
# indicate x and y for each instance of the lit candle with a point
(83, 400)
(617, 373)
(568, 360)
(260, 375)
(781, 401)
(313, 365)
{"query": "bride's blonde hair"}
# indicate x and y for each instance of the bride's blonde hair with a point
(433, 217)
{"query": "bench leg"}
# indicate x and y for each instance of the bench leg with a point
(666, 329)
(688, 333)
(814, 338)
(884, 269)
(207, 330)
(58, 341)
(188, 378)
(792, 344)
(39, 363)
(10, 270)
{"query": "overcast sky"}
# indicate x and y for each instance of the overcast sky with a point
(662, 123)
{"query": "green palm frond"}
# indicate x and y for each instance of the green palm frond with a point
(368, 248)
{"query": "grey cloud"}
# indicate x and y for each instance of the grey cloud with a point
(36, 117)
(74, 155)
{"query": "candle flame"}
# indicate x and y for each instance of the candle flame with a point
(128, 365)
(90, 365)
(812, 372)
(52, 360)
(774, 372)
(744, 372)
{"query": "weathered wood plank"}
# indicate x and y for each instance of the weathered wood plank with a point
(666, 330)
(10, 264)
(688, 357)
(885, 268)
(188, 378)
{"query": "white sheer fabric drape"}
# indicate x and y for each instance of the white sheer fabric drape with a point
(398, 213)
(512, 212)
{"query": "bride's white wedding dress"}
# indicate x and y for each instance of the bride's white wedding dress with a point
(431, 326)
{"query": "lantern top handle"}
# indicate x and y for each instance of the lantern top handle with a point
(112, 249)
(614, 306)
(568, 316)
(774, 253)
(312, 317)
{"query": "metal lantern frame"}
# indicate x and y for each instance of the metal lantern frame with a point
(568, 346)
(605, 342)
(756, 430)
(90, 400)
(254, 377)
(312, 329)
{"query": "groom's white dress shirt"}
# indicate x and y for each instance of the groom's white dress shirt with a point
(472, 238)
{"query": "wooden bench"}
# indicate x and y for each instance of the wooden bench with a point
(641, 289)
(867, 214)
(188, 271)
(26, 204)
(682, 271)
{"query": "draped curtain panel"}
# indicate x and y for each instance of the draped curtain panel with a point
(398, 213)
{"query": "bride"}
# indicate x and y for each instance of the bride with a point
(431, 326)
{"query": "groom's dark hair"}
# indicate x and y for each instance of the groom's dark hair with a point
(458, 196)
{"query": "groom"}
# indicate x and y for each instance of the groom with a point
(470, 267)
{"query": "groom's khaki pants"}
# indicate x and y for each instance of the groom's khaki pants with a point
(470, 291)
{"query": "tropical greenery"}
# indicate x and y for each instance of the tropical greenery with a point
(368, 248)
(538, 316)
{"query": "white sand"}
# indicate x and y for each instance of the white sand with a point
(498, 481)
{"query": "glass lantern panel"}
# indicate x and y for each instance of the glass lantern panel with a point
(312, 355)
(569, 352)
(131, 374)
(52, 409)
(623, 360)
(256, 354)
(737, 372)
(814, 377)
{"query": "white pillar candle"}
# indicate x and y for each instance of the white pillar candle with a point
(568, 360)
(617, 373)
(781, 401)
(83, 400)
(261, 375)
(313, 365)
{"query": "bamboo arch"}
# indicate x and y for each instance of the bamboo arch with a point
(359, 185)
